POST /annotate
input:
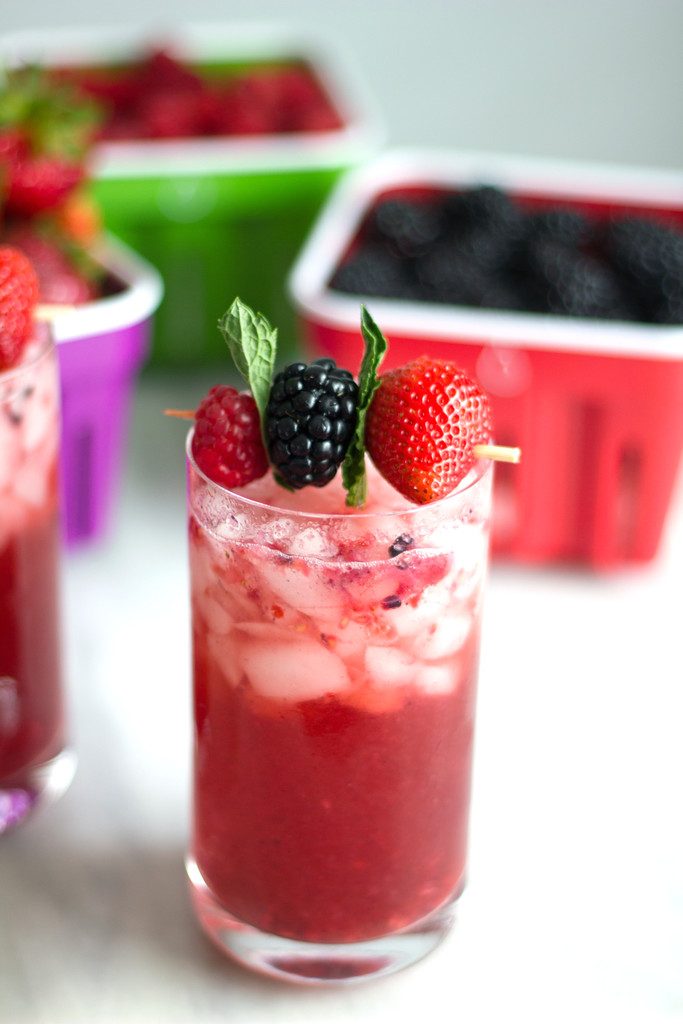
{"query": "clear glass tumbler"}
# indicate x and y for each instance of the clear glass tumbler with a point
(335, 666)
(34, 763)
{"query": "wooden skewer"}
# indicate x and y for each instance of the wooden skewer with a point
(47, 311)
(497, 452)
(180, 414)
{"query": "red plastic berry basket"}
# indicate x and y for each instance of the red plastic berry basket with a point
(594, 404)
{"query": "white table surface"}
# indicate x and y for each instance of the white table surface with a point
(574, 909)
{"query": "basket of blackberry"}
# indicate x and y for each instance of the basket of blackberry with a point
(481, 247)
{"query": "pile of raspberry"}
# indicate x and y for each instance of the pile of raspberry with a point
(483, 248)
(162, 97)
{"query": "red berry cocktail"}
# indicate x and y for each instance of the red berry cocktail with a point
(33, 762)
(335, 663)
(335, 640)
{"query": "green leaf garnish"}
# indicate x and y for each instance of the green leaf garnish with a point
(252, 342)
(353, 466)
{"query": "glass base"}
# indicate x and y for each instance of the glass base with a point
(315, 963)
(42, 784)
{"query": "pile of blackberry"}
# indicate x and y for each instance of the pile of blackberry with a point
(310, 420)
(480, 248)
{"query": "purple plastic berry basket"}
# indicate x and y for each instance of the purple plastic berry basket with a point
(102, 346)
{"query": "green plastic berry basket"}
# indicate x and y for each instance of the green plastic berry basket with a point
(218, 217)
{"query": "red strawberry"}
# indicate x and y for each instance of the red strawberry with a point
(422, 426)
(18, 298)
(12, 147)
(60, 281)
(227, 444)
(38, 183)
(47, 128)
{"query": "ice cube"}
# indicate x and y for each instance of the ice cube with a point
(302, 586)
(469, 556)
(39, 420)
(444, 637)
(234, 599)
(229, 528)
(265, 631)
(221, 650)
(410, 619)
(436, 679)
(214, 614)
(9, 449)
(389, 666)
(202, 563)
(348, 639)
(31, 482)
(313, 543)
(369, 586)
(293, 669)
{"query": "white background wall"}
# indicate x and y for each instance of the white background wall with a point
(595, 79)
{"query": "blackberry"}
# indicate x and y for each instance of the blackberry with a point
(310, 419)
(409, 228)
(489, 250)
(502, 293)
(484, 206)
(645, 248)
(374, 271)
(670, 309)
(447, 275)
(649, 255)
(571, 284)
(401, 544)
(567, 227)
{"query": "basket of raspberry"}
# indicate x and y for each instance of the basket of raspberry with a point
(97, 293)
(218, 146)
(560, 288)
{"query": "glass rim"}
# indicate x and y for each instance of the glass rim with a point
(46, 345)
(482, 468)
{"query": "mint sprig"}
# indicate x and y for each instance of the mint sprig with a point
(252, 342)
(353, 466)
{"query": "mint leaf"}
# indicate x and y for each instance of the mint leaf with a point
(353, 467)
(253, 345)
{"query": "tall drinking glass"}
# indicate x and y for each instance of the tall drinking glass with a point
(34, 763)
(335, 665)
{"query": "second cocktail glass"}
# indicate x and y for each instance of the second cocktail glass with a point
(335, 666)
(34, 762)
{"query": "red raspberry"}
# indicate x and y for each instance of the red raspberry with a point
(422, 426)
(161, 71)
(18, 298)
(318, 118)
(171, 114)
(227, 444)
